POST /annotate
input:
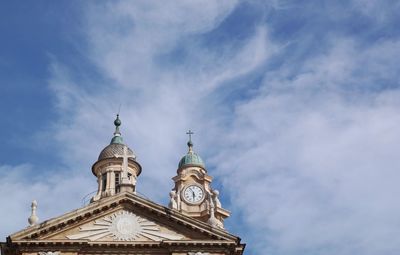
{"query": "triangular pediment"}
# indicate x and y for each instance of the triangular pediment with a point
(123, 218)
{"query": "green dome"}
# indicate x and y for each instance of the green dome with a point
(191, 159)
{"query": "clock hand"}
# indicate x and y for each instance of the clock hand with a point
(191, 189)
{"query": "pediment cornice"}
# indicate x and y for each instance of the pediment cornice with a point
(40, 233)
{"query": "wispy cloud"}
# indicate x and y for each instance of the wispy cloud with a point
(313, 156)
(56, 192)
(298, 120)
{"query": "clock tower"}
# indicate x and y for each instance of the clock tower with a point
(193, 194)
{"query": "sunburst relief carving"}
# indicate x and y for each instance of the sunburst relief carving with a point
(123, 226)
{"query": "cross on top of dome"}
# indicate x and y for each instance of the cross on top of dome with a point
(190, 143)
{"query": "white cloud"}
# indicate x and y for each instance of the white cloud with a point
(309, 158)
(159, 103)
(127, 38)
(57, 193)
(314, 163)
(380, 11)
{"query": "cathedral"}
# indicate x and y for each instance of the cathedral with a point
(120, 221)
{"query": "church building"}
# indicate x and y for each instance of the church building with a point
(120, 221)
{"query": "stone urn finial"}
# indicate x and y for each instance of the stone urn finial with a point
(33, 219)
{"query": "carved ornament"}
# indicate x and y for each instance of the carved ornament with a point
(123, 226)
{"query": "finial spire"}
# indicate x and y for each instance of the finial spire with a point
(33, 219)
(190, 143)
(117, 123)
(117, 134)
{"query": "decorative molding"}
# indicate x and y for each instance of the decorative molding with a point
(192, 172)
(49, 253)
(123, 226)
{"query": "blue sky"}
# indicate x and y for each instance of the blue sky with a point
(294, 107)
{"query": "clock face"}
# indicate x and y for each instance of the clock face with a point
(193, 194)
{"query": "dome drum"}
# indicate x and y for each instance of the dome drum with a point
(100, 165)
